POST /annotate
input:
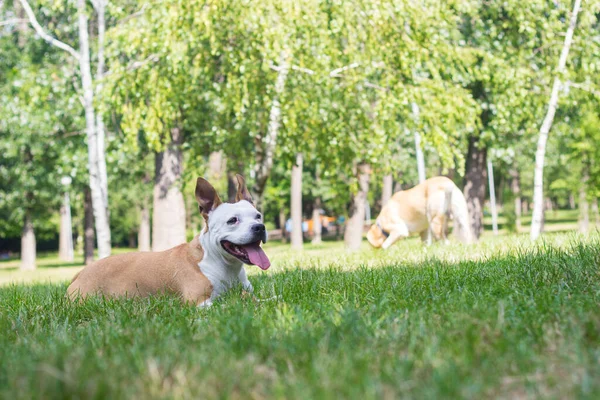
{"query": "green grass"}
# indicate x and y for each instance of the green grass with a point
(502, 319)
(49, 269)
(52, 270)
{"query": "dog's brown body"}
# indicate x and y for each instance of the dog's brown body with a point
(173, 271)
(425, 209)
(198, 271)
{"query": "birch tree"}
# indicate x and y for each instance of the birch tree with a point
(296, 203)
(494, 211)
(95, 136)
(538, 185)
(266, 153)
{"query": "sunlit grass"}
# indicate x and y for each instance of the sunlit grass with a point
(52, 270)
(503, 318)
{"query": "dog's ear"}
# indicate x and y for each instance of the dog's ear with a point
(206, 196)
(242, 191)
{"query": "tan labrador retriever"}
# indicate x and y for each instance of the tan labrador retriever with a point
(425, 209)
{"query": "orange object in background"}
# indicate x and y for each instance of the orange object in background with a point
(326, 222)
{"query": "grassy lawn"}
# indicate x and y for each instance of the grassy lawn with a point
(52, 270)
(502, 318)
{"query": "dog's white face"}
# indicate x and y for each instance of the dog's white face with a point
(236, 230)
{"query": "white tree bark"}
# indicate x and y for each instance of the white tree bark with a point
(168, 214)
(264, 165)
(316, 218)
(515, 187)
(418, 149)
(356, 222)
(296, 203)
(538, 183)
(100, 6)
(282, 220)
(572, 204)
(144, 229)
(388, 187)
(65, 236)
(28, 244)
(493, 208)
(100, 206)
(584, 206)
(596, 212)
(40, 31)
(88, 227)
(216, 166)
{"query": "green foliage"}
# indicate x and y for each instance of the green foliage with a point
(39, 138)
(355, 70)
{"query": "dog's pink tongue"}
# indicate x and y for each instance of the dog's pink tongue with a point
(257, 256)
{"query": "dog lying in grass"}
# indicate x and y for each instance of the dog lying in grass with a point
(198, 271)
(425, 209)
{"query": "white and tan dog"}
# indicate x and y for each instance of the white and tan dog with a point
(198, 271)
(425, 209)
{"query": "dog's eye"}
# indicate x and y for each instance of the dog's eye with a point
(232, 220)
(258, 216)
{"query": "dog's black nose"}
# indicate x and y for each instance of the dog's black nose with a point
(258, 228)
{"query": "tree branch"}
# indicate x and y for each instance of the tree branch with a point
(139, 64)
(293, 67)
(13, 21)
(40, 31)
(305, 70)
(336, 72)
(134, 15)
(375, 86)
(583, 87)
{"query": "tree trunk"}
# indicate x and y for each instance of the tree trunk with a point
(296, 203)
(397, 187)
(500, 194)
(356, 220)
(168, 217)
(538, 185)
(418, 149)
(549, 206)
(65, 236)
(584, 207)
(282, 220)
(88, 227)
(131, 239)
(21, 24)
(98, 197)
(144, 229)
(216, 165)
(386, 193)
(266, 146)
(96, 161)
(515, 187)
(190, 207)
(316, 217)
(231, 186)
(100, 6)
(572, 204)
(475, 180)
(28, 250)
(596, 212)
(492, 187)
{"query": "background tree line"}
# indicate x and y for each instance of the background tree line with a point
(133, 99)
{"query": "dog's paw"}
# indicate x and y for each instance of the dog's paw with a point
(206, 303)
